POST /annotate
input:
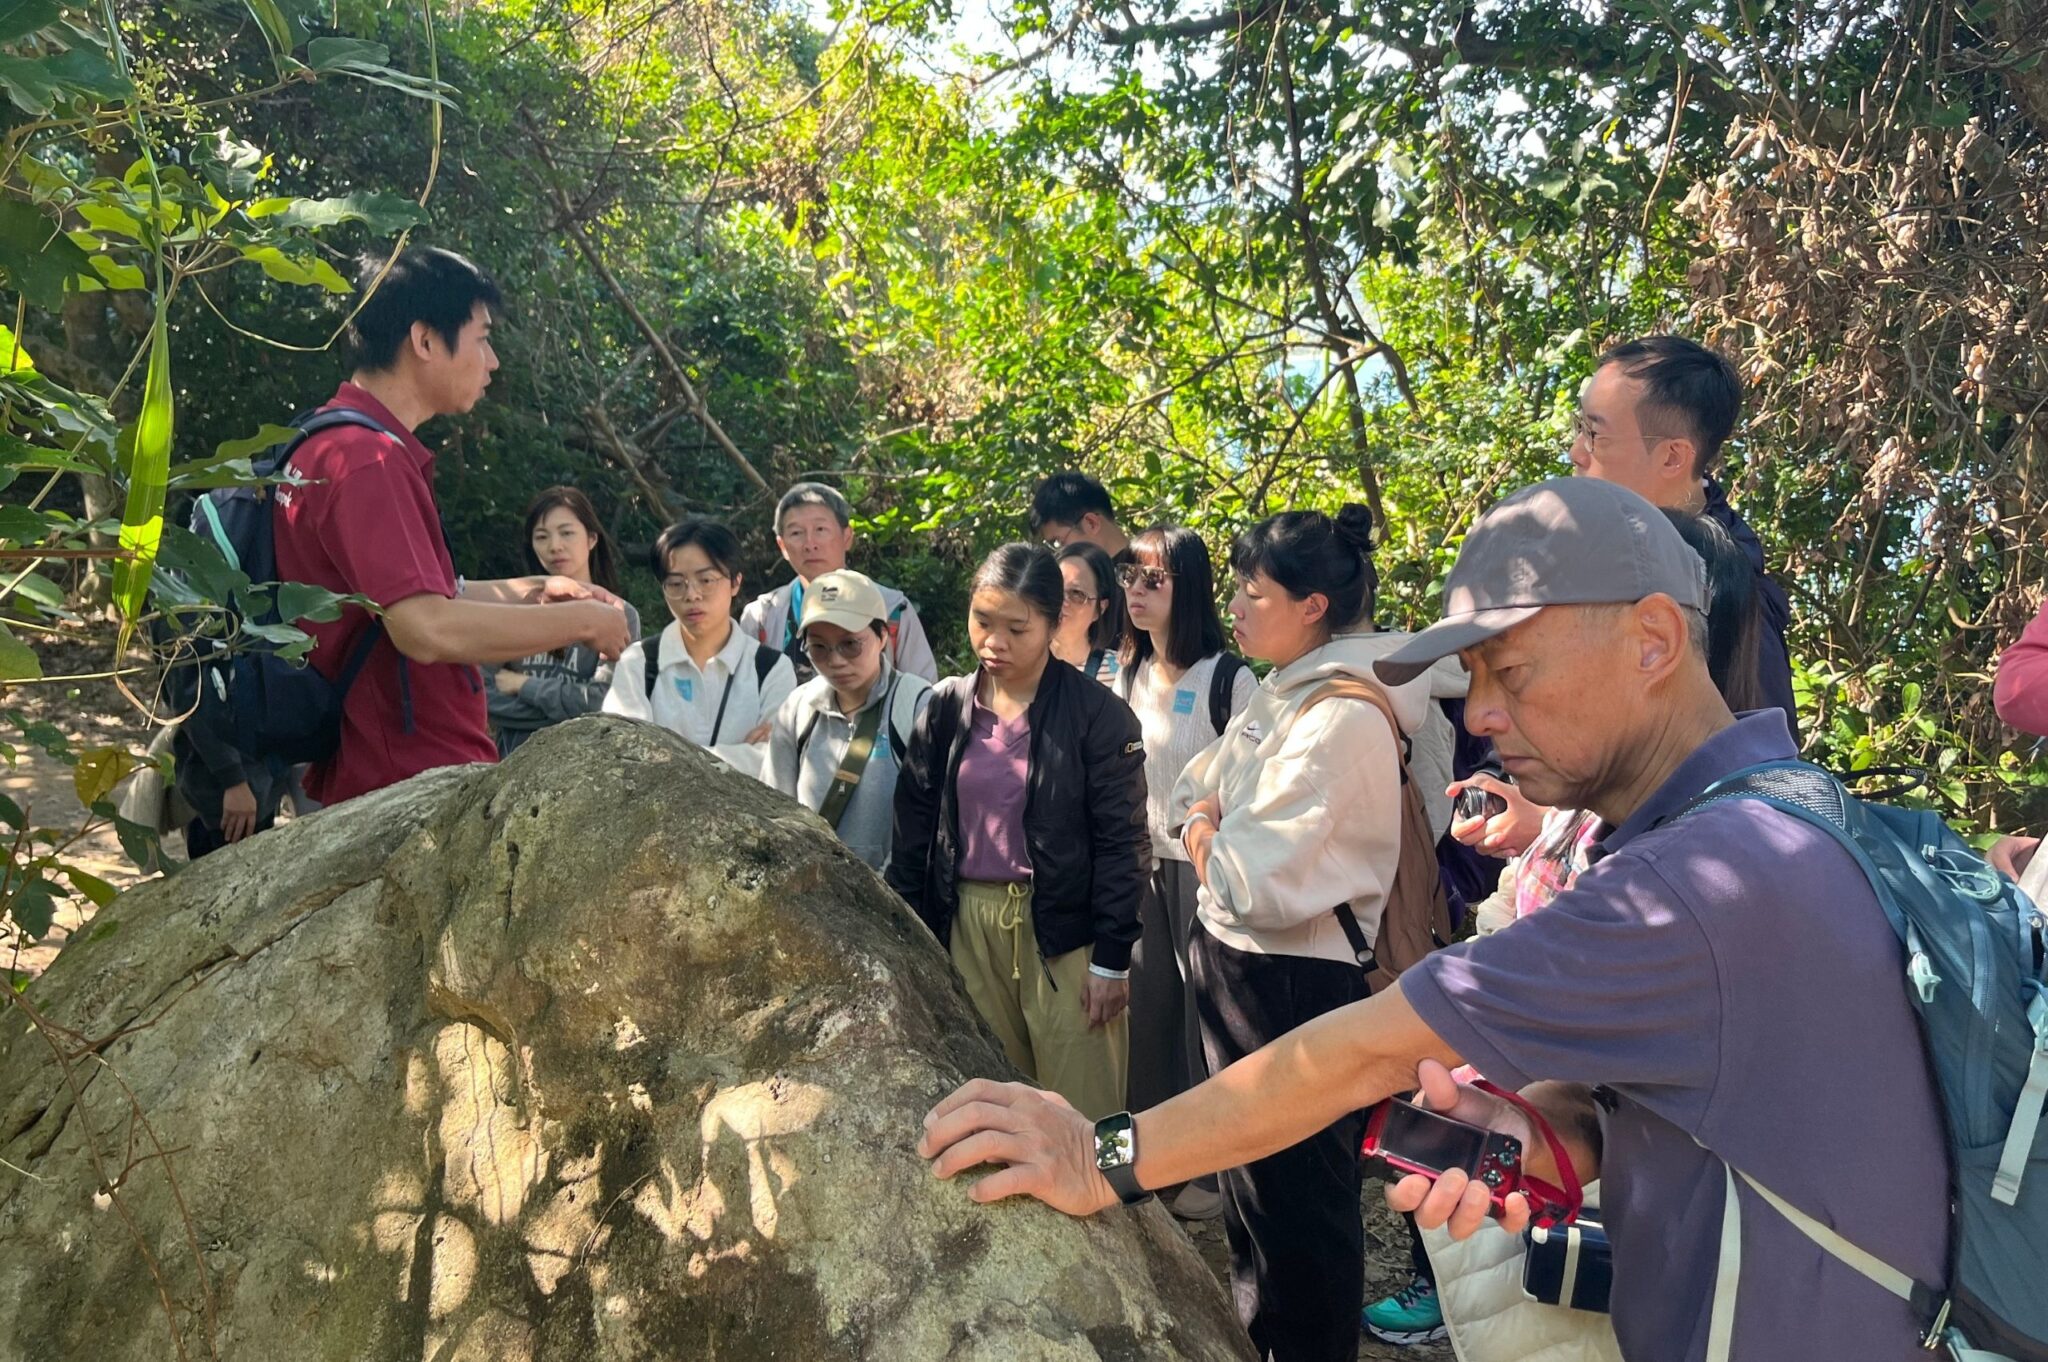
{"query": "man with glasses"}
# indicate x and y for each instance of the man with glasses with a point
(814, 530)
(835, 743)
(1653, 418)
(1073, 508)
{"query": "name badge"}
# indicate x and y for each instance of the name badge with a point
(1183, 702)
(686, 686)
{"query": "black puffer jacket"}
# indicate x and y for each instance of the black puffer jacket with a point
(1084, 815)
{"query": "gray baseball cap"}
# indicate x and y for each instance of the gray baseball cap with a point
(1568, 541)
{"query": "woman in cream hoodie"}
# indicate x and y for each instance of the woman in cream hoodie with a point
(1293, 812)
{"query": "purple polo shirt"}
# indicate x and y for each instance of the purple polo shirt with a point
(993, 779)
(1732, 978)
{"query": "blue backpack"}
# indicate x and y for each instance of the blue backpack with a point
(1974, 974)
(279, 712)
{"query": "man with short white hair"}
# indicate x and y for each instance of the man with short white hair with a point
(814, 530)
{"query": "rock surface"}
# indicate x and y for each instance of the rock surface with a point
(604, 1053)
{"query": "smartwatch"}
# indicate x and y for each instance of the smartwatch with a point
(1116, 1157)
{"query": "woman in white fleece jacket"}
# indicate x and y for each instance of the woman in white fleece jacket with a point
(1294, 811)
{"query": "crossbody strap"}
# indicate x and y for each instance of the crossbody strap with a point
(854, 764)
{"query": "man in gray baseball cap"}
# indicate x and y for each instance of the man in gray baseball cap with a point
(1569, 541)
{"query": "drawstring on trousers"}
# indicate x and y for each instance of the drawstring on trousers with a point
(1010, 918)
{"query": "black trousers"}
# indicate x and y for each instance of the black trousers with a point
(1297, 1242)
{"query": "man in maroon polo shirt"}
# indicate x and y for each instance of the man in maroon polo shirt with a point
(365, 522)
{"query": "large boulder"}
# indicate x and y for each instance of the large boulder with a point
(604, 1053)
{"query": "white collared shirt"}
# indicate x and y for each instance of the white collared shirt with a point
(715, 705)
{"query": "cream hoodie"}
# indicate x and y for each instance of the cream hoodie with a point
(1311, 810)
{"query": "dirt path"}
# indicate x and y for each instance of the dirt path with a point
(89, 714)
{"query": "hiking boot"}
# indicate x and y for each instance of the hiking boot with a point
(1197, 1202)
(1410, 1315)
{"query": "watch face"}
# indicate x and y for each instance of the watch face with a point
(1113, 1147)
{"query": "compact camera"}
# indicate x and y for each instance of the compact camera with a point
(1476, 802)
(1401, 1138)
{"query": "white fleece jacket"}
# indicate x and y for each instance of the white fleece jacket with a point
(1311, 810)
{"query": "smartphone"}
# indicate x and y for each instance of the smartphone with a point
(1401, 1138)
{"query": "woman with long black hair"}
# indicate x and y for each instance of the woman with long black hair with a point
(1184, 686)
(568, 540)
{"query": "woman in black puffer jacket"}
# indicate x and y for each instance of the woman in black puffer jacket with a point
(1020, 837)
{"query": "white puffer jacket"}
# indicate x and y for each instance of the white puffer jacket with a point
(1479, 1285)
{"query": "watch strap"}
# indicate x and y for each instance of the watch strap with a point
(1116, 1156)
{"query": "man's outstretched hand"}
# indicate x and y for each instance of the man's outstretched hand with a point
(1454, 1201)
(1043, 1147)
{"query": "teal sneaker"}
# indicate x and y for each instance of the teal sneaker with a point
(1410, 1315)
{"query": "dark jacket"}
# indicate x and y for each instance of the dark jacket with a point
(1773, 655)
(206, 764)
(1084, 815)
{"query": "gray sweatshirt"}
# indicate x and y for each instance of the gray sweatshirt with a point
(810, 737)
(559, 686)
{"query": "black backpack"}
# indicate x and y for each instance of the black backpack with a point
(279, 711)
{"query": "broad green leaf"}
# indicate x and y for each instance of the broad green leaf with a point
(20, 525)
(98, 771)
(11, 814)
(302, 601)
(276, 31)
(92, 886)
(292, 270)
(18, 661)
(266, 436)
(14, 356)
(41, 590)
(36, 258)
(19, 18)
(107, 217)
(116, 275)
(142, 518)
(82, 71)
(29, 85)
(385, 214)
(32, 907)
(140, 844)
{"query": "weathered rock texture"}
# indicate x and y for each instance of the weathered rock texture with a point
(606, 1053)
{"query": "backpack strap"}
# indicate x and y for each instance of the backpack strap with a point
(853, 763)
(765, 659)
(1222, 684)
(1414, 827)
(650, 653)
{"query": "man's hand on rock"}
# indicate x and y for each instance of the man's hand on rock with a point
(1045, 1148)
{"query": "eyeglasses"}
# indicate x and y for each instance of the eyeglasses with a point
(685, 585)
(1078, 597)
(1583, 430)
(848, 650)
(1130, 574)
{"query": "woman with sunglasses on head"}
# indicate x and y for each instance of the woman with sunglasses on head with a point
(1020, 836)
(1091, 627)
(702, 676)
(836, 742)
(1184, 686)
(567, 540)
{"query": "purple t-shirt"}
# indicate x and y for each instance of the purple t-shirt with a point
(1732, 978)
(994, 774)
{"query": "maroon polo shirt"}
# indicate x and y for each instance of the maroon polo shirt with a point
(367, 525)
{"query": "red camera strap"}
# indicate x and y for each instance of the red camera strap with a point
(1548, 1205)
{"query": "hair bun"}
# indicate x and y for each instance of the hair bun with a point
(1354, 526)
